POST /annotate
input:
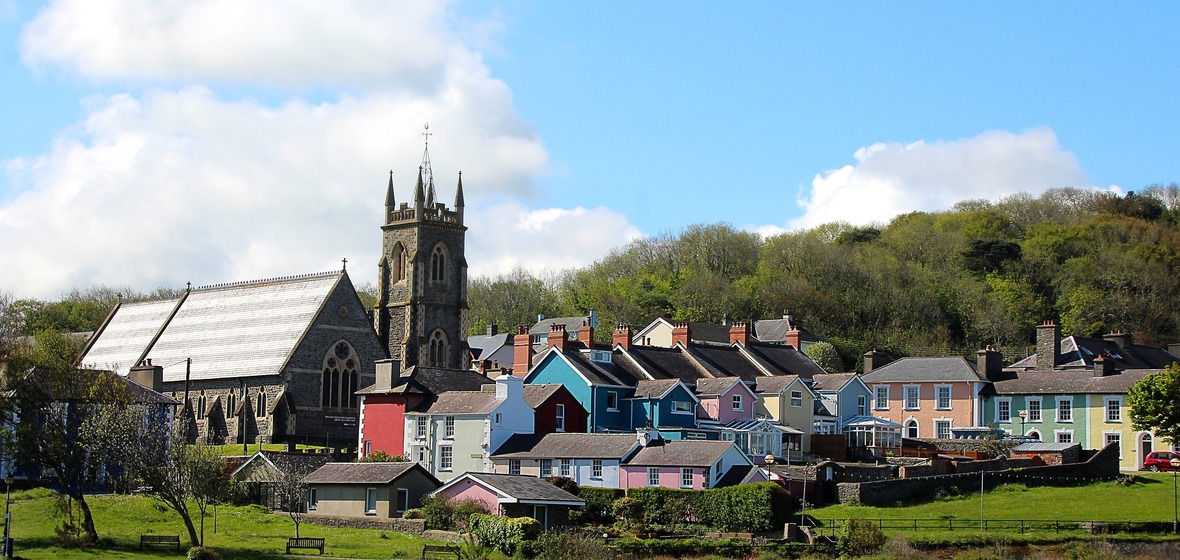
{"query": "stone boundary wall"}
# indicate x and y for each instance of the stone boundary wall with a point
(412, 526)
(1103, 465)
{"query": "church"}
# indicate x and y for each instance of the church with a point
(282, 359)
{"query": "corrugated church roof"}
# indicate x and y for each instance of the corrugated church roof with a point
(229, 330)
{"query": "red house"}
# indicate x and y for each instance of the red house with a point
(556, 409)
(383, 405)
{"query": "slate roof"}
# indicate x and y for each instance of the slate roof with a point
(297, 463)
(653, 389)
(362, 473)
(230, 331)
(680, 453)
(486, 345)
(1080, 351)
(830, 381)
(521, 488)
(664, 363)
(536, 395)
(725, 360)
(599, 373)
(736, 475)
(571, 325)
(1065, 382)
(463, 402)
(1042, 447)
(775, 384)
(780, 359)
(916, 370)
(775, 331)
(567, 445)
(715, 387)
(431, 381)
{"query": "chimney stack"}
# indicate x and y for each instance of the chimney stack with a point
(586, 334)
(622, 337)
(874, 360)
(681, 333)
(1048, 345)
(795, 338)
(1104, 365)
(557, 336)
(740, 332)
(508, 386)
(493, 330)
(1121, 339)
(989, 362)
(522, 352)
(148, 375)
(388, 372)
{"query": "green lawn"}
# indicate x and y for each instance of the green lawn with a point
(1147, 498)
(242, 532)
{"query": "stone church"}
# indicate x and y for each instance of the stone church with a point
(282, 359)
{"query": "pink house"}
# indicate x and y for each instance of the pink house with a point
(929, 396)
(725, 399)
(689, 464)
(513, 495)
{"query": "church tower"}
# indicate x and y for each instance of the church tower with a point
(421, 311)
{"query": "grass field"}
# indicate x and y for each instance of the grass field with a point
(241, 532)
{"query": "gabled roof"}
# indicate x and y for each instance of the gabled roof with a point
(779, 359)
(1067, 382)
(463, 402)
(775, 331)
(832, 381)
(1080, 351)
(568, 445)
(699, 332)
(483, 346)
(918, 370)
(718, 386)
(229, 331)
(536, 395)
(431, 381)
(296, 463)
(657, 388)
(658, 362)
(516, 488)
(737, 475)
(776, 384)
(594, 372)
(571, 324)
(680, 453)
(364, 473)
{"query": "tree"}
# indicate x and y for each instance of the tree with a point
(824, 355)
(76, 424)
(1155, 404)
(186, 473)
(291, 493)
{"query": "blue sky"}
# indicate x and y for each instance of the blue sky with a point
(151, 144)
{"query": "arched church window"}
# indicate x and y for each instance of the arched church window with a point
(201, 404)
(229, 404)
(339, 378)
(438, 265)
(436, 354)
(397, 271)
(261, 402)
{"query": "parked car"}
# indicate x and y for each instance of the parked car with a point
(1160, 461)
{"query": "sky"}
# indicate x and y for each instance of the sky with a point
(151, 144)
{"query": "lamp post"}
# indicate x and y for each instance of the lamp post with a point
(1022, 415)
(803, 506)
(1175, 465)
(7, 517)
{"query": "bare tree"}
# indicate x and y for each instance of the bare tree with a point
(182, 474)
(291, 493)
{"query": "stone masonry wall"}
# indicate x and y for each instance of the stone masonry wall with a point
(412, 526)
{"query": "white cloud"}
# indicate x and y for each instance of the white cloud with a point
(891, 178)
(173, 184)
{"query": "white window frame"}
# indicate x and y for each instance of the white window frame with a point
(612, 396)
(862, 405)
(1004, 410)
(596, 469)
(1117, 437)
(943, 422)
(312, 498)
(686, 477)
(446, 458)
(653, 476)
(1118, 410)
(564, 467)
(448, 427)
(681, 407)
(917, 397)
(514, 466)
(911, 422)
(544, 467)
(737, 403)
(938, 393)
(1040, 410)
(420, 427)
(1069, 405)
(796, 399)
(559, 417)
(880, 397)
(1068, 433)
(368, 447)
(370, 501)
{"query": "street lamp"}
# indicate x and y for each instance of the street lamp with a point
(7, 516)
(1022, 415)
(1175, 465)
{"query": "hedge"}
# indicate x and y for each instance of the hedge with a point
(505, 534)
(761, 506)
(599, 502)
(729, 548)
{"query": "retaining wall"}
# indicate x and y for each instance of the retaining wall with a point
(412, 526)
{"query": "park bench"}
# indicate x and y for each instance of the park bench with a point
(439, 551)
(151, 540)
(305, 542)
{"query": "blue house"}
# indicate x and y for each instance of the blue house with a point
(591, 375)
(664, 404)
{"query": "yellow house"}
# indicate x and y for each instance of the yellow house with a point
(787, 399)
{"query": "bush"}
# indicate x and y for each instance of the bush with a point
(859, 537)
(562, 545)
(381, 456)
(414, 513)
(749, 507)
(565, 483)
(443, 514)
(599, 508)
(628, 509)
(202, 553)
(463, 511)
(506, 534)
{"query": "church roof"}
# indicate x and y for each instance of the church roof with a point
(228, 330)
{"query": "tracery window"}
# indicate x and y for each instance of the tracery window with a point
(436, 353)
(438, 264)
(339, 378)
(229, 404)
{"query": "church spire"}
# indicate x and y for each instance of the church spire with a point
(428, 174)
(418, 196)
(390, 203)
(459, 198)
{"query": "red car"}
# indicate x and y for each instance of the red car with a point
(1160, 461)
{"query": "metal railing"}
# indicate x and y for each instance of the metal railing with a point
(1002, 525)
